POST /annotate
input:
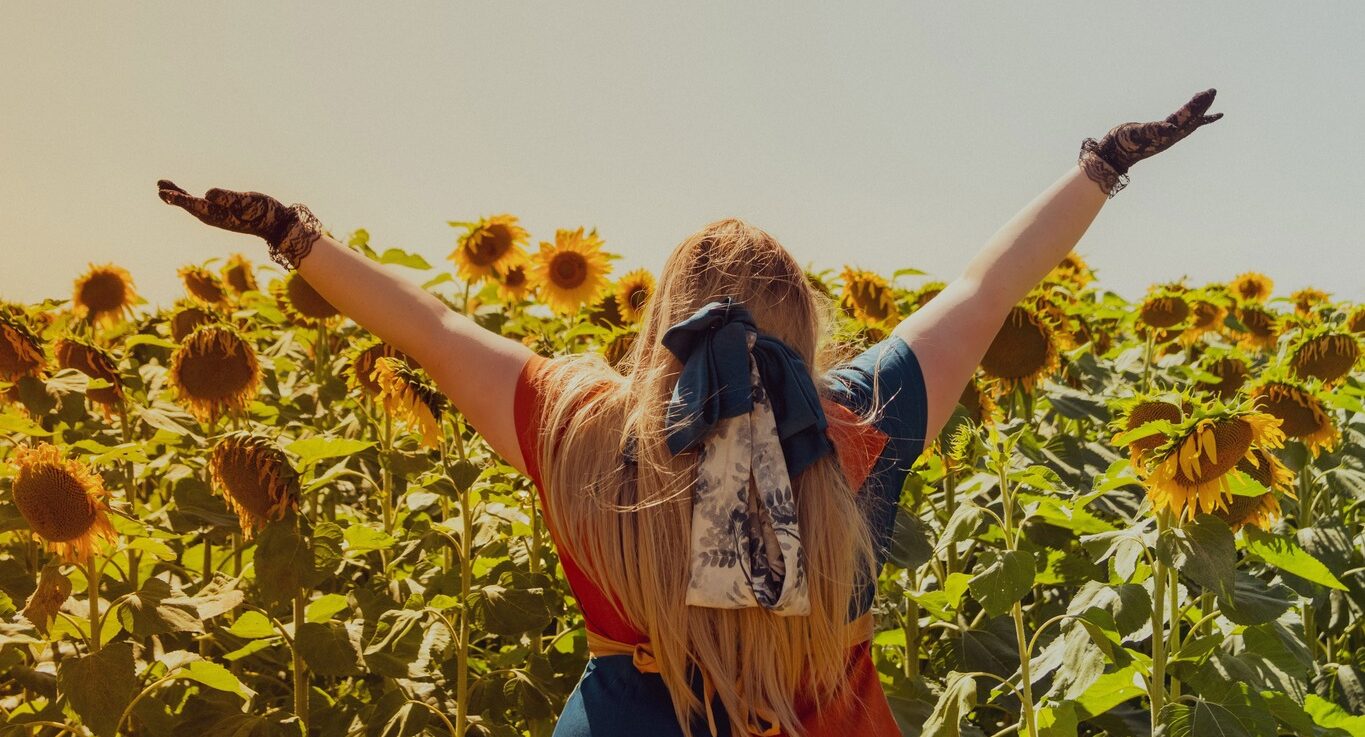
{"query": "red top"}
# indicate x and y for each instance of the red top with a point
(857, 447)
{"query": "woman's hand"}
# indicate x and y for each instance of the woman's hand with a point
(253, 213)
(1107, 160)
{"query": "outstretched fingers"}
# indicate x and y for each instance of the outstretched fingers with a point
(1195, 108)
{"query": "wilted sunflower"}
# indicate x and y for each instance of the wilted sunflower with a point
(255, 478)
(1190, 473)
(1023, 352)
(202, 283)
(1232, 373)
(93, 361)
(1263, 327)
(104, 294)
(63, 501)
(571, 272)
(1307, 299)
(1073, 270)
(410, 397)
(1164, 308)
(187, 317)
(489, 247)
(21, 352)
(1137, 411)
(1324, 353)
(633, 292)
(301, 302)
(361, 362)
(1261, 510)
(1252, 287)
(618, 349)
(514, 285)
(868, 297)
(1302, 415)
(214, 371)
(1206, 316)
(926, 293)
(239, 274)
(1355, 322)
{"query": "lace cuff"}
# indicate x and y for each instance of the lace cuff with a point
(298, 239)
(1099, 170)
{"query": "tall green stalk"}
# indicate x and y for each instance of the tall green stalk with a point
(1156, 685)
(1017, 609)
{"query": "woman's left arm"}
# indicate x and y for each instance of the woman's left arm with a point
(952, 332)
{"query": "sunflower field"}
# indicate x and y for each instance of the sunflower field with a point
(243, 515)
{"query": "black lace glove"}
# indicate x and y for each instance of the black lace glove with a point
(288, 231)
(1107, 160)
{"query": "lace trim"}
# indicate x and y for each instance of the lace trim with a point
(298, 240)
(1099, 170)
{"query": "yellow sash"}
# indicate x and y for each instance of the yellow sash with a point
(642, 657)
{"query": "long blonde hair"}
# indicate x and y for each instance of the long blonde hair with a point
(629, 531)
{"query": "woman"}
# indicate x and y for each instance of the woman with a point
(722, 509)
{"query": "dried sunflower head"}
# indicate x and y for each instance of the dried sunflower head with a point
(255, 478)
(215, 371)
(411, 398)
(63, 501)
(1325, 353)
(95, 362)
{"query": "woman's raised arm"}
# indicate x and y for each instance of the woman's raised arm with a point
(952, 332)
(476, 368)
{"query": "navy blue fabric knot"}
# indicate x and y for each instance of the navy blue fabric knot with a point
(714, 384)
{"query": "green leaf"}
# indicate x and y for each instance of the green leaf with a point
(216, 677)
(1199, 718)
(156, 609)
(954, 704)
(511, 611)
(287, 562)
(318, 448)
(1285, 554)
(943, 603)
(324, 607)
(1057, 721)
(1203, 550)
(1329, 715)
(961, 525)
(1253, 601)
(330, 649)
(252, 625)
(1110, 690)
(99, 686)
(403, 258)
(1004, 581)
(364, 539)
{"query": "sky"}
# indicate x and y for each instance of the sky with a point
(883, 135)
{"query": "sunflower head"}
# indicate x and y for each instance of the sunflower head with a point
(21, 352)
(817, 282)
(1262, 326)
(93, 361)
(1252, 287)
(489, 247)
(187, 316)
(361, 363)
(1307, 300)
(1355, 322)
(633, 292)
(1260, 511)
(104, 294)
(1073, 270)
(1231, 370)
(1164, 308)
(239, 274)
(63, 501)
(572, 271)
(1325, 353)
(1190, 474)
(1023, 352)
(1143, 409)
(202, 284)
(255, 479)
(301, 302)
(515, 284)
(868, 297)
(410, 397)
(215, 371)
(1302, 414)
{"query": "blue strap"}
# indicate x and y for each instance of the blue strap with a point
(714, 383)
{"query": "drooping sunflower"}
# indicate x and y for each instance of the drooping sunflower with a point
(1355, 322)
(62, 500)
(215, 371)
(104, 294)
(95, 362)
(514, 285)
(1206, 316)
(868, 297)
(1023, 352)
(978, 402)
(1134, 412)
(239, 274)
(1325, 353)
(202, 284)
(301, 302)
(633, 292)
(1302, 414)
(1189, 474)
(606, 312)
(1307, 300)
(21, 352)
(1261, 510)
(188, 316)
(1252, 286)
(1164, 308)
(1232, 372)
(410, 397)
(489, 247)
(572, 271)
(1262, 327)
(1073, 270)
(925, 293)
(255, 478)
(618, 349)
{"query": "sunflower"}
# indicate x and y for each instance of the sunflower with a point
(301, 302)
(1095, 332)
(1163, 309)
(489, 247)
(93, 361)
(571, 272)
(63, 501)
(817, 282)
(606, 312)
(514, 285)
(187, 317)
(362, 358)
(978, 402)
(21, 352)
(203, 284)
(1232, 373)
(1261, 510)
(1307, 299)
(618, 349)
(104, 294)
(239, 274)
(925, 293)
(633, 292)
(1326, 354)
(215, 370)
(1190, 473)
(1073, 270)
(1206, 316)
(868, 297)
(255, 479)
(1023, 352)
(1355, 322)
(1263, 327)
(1141, 410)
(1252, 287)
(411, 398)
(1302, 415)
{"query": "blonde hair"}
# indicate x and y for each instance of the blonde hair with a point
(629, 528)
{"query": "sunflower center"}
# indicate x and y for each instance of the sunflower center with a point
(1240, 509)
(210, 372)
(1151, 412)
(54, 503)
(569, 269)
(1326, 357)
(103, 292)
(1165, 312)
(1231, 439)
(488, 247)
(515, 278)
(1293, 409)
(1020, 348)
(1205, 313)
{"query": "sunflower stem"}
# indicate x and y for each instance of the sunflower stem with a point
(385, 490)
(1306, 502)
(1147, 363)
(300, 668)
(92, 582)
(1017, 609)
(1156, 685)
(1173, 642)
(466, 585)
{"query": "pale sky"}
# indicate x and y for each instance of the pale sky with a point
(881, 134)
